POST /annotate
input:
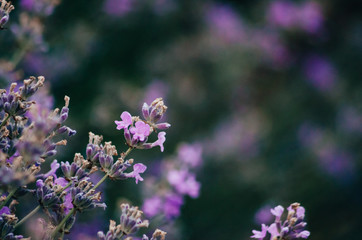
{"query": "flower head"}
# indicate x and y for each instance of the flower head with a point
(141, 131)
(126, 121)
(137, 169)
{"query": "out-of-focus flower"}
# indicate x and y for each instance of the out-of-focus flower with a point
(152, 206)
(5, 9)
(43, 7)
(172, 205)
(191, 154)
(320, 73)
(225, 22)
(282, 13)
(306, 16)
(263, 215)
(118, 7)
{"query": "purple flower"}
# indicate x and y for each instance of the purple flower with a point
(260, 234)
(277, 212)
(320, 73)
(282, 13)
(160, 141)
(126, 121)
(4, 210)
(310, 17)
(263, 215)
(184, 182)
(190, 154)
(61, 181)
(172, 205)
(137, 169)
(226, 23)
(118, 7)
(152, 206)
(304, 234)
(273, 230)
(53, 168)
(140, 131)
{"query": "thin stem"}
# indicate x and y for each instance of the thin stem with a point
(4, 121)
(127, 152)
(66, 186)
(100, 181)
(63, 222)
(27, 216)
(8, 198)
(19, 55)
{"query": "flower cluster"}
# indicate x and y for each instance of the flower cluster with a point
(5, 9)
(28, 133)
(130, 222)
(177, 180)
(136, 131)
(291, 228)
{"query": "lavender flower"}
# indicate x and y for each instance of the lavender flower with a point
(126, 121)
(137, 169)
(291, 228)
(136, 136)
(130, 222)
(5, 9)
(157, 235)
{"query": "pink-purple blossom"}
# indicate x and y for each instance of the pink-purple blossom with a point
(53, 168)
(260, 234)
(160, 141)
(277, 212)
(126, 121)
(141, 131)
(184, 182)
(152, 206)
(190, 154)
(137, 169)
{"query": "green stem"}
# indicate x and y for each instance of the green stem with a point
(4, 121)
(8, 198)
(100, 181)
(27, 216)
(66, 186)
(60, 226)
(127, 152)
(19, 55)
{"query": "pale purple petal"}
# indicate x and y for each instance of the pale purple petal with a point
(140, 131)
(300, 212)
(304, 234)
(137, 169)
(53, 168)
(277, 212)
(273, 230)
(61, 181)
(160, 141)
(260, 234)
(126, 120)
